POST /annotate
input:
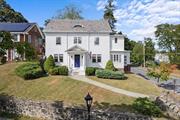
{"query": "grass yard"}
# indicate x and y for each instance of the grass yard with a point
(134, 83)
(61, 88)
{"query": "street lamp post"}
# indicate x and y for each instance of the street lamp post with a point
(88, 100)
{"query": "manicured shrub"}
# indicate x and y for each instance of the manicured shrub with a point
(63, 70)
(90, 71)
(54, 71)
(108, 74)
(146, 107)
(29, 71)
(3, 59)
(49, 63)
(110, 66)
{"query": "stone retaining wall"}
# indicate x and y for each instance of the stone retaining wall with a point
(168, 105)
(56, 111)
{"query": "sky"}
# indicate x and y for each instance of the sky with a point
(135, 18)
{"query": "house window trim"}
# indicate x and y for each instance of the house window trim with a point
(96, 41)
(77, 40)
(95, 58)
(116, 40)
(58, 42)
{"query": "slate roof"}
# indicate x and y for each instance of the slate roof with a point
(15, 27)
(78, 26)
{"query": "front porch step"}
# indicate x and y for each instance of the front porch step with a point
(77, 72)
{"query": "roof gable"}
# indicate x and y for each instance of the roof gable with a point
(78, 26)
(76, 48)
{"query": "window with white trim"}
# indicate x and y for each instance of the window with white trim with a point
(58, 40)
(77, 40)
(115, 57)
(61, 58)
(125, 60)
(96, 42)
(115, 40)
(99, 58)
(58, 58)
(96, 58)
(55, 57)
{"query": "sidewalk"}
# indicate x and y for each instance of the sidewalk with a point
(108, 87)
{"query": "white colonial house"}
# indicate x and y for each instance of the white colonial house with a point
(78, 44)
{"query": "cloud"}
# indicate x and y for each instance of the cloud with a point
(139, 18)
(101, 4)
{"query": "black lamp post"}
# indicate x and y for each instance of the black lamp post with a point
(88, 100)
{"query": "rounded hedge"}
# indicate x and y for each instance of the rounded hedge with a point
(108, 74)
(29, 71)
(59, 70)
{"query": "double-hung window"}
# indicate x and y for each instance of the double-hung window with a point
(116, 58)
(58, 40)
(58, 58)
(115, 40)
(96, 58)
(99, 58)
(55, 57)
(96, 42)
(77, 40)
(61, 58)
(125, 60)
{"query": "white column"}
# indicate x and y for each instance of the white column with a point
(84, 61)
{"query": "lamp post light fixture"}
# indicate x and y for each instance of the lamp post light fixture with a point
(88, 100)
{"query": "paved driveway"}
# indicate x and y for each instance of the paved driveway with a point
(166, 84)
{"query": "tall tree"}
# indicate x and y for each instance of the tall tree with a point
(69, 12)
(137, 54)
(8, 14)
(168, 36)
(109, 13)
(149, 49)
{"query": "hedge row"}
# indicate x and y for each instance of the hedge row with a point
(59, 70)
(29, 71)
(90, 71)
(108, 74)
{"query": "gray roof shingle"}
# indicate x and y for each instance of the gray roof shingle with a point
(15, 27)
(78, 26)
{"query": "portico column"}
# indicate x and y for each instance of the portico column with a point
(84, 60)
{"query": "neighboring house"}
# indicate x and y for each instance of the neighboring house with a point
(162, 57)
(84, 43)
(21, 32)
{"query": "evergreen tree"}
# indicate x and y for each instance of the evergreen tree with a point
(8, 14)
(109, 14)
(149, 49)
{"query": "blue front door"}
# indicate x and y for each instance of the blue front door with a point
(77, 61)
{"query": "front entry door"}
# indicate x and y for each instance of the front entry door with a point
(77, 61)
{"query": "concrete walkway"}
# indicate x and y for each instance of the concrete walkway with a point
(108, 87)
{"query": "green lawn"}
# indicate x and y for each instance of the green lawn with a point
(61, 88)
(133, 83)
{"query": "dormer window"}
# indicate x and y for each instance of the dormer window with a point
(78, 25)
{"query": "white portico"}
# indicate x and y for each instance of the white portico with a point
(76, 59)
